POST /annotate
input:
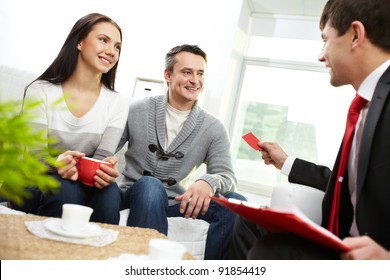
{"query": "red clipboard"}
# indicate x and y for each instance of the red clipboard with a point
(283, 220)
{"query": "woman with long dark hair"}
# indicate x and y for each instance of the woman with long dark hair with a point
(81, 111)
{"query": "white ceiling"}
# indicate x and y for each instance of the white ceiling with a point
(288, 7)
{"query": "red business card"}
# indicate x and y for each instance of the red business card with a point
(252, 140)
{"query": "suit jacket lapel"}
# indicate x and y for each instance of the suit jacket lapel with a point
(376, 106)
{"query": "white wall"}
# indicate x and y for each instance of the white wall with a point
(32, 33)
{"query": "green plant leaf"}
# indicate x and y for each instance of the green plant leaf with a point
(18, 167)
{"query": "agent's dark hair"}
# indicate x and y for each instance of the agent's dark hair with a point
(65, 63)
(170, 58)
(373, 14)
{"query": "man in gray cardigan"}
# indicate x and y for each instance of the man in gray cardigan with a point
(168, 138)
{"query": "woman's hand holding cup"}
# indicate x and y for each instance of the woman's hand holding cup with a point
(66, 165)
(73, 165)
(107, 174)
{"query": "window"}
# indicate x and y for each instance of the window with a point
(290, 101)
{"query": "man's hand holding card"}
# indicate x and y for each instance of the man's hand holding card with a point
(252, 141)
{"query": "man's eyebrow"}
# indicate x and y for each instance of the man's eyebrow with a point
(192, 69)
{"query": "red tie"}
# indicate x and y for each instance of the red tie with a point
(353, 115)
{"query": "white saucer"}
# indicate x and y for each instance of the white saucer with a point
(90, 230)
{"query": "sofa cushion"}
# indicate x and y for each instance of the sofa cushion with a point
(13, 82)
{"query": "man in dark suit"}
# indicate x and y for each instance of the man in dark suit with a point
(356, 35)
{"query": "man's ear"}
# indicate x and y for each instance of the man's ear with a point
(167, 75)
(359, 33)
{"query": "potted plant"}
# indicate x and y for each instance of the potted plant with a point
(18, 167)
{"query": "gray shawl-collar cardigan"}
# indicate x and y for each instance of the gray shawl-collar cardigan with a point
(203, 139)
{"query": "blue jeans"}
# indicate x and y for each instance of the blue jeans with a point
(105, 202)
(148, 202)
(31, 203)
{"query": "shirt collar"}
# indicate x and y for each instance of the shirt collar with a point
(367, 88)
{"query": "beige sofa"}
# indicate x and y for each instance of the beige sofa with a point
(191, 233)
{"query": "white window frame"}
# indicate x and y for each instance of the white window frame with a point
(256, 187)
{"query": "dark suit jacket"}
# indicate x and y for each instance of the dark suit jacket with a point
(373, 182)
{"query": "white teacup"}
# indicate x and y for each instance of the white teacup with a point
(165, 249)
(75, 217)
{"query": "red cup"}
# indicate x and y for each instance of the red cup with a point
(87, 169)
